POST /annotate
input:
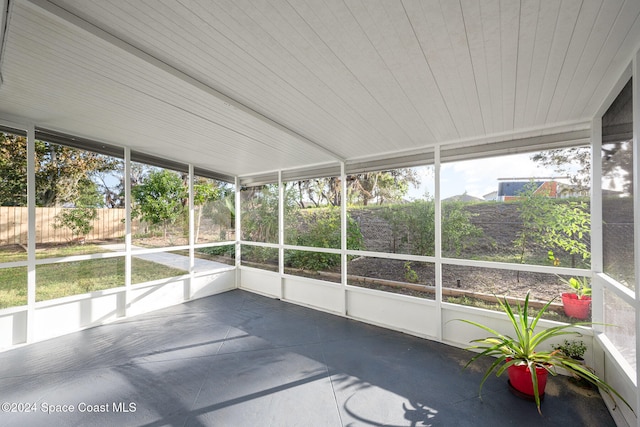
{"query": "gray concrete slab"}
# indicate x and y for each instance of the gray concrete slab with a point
(238, 359)
(170, 259)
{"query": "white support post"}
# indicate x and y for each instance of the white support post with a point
(596, 222)
(192, 237)
(123, 304)
(636, 208)
(31, 233)
(281, 233)
(238, 231)
(438, 242)
(343, 236)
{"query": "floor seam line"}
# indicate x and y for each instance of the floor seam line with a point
(333, 390)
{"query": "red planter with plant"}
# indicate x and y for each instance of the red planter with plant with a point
(520, 379)
(516, 355)
(577, 304)
(578, 308)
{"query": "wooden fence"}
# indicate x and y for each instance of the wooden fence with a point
(13, 225)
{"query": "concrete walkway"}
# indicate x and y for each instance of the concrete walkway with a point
(170, 259)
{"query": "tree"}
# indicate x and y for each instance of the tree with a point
(363, 188)
(159, 198)
(13, 170)
(260, 212)
(381, 187)
(404, 220)
(322, 229)
(413, 226)
(458, 231)
(553, 224)
(63, 174)
(206, 196)
(315, 192)
(572, 224)
(110, 184)
(535, 210)
(311, 192)
(574, 162)
(78, 220)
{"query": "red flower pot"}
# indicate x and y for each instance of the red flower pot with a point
(576, 308)
(520, 379)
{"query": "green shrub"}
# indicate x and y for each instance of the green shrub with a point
(410, 274)
(313, 261)
(78, 220)
(562, 225)
(413, 227)
(457, 230)
(227, 250)
(321, 229)
(260, 254)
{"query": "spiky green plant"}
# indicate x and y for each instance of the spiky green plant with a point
(524, 348)
(580, 285)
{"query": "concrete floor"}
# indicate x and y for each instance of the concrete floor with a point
(238, 359)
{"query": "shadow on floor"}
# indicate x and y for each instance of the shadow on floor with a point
(239, 359)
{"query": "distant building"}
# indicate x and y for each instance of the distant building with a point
(512, 190)
(491, 196)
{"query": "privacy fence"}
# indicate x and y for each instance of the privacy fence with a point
(14, 226)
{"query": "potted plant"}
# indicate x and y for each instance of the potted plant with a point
(574, 349)
(577, 304)
(523, 356)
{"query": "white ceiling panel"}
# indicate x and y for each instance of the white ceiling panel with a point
(252, 86)
(599, 31)
(627, 20)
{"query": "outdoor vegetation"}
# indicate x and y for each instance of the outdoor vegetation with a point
(79, 211)
(522, 356)
(63, 279)
(533, 227)
(161, 201)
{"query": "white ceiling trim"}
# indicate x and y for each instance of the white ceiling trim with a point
(565, 132)
(568, 134)
(532, 132)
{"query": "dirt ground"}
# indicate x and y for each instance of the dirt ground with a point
(477, 280)
(481, 280)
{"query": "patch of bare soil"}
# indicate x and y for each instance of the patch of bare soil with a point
(159, 242)
(543, 287)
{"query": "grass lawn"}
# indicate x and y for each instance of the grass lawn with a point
(16, 253)
(13, 287)
(72, 278)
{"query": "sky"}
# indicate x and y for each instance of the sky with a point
(479, 177)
